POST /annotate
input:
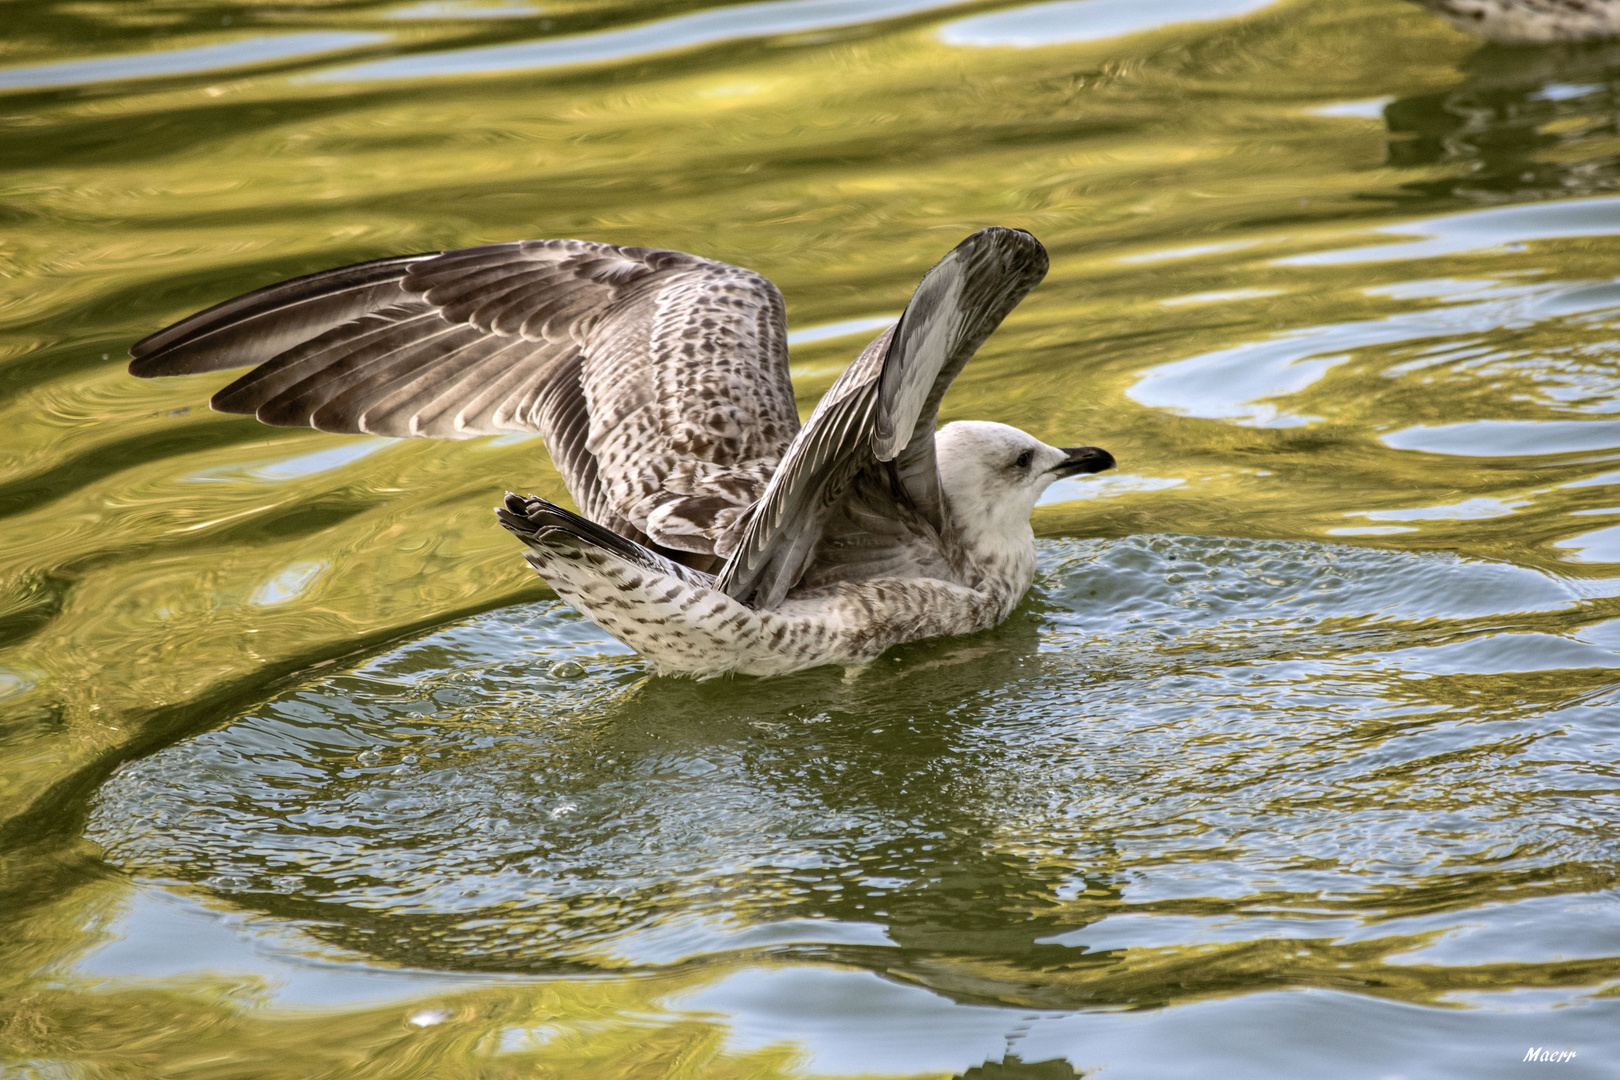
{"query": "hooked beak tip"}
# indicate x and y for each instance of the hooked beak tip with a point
(1084, 459)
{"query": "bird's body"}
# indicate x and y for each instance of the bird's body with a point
(681, 623)
(659, 382)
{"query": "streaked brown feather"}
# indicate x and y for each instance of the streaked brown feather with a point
(253, 328)
(511, 337)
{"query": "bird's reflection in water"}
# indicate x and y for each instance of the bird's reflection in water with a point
(1526, 123)
(867, 798)
(965, 815)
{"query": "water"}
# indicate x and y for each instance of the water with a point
(1300, 759)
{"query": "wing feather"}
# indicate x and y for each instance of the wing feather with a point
(658, 379)
(388, 349)
(876, 425)
(387, 400)
(270, 380)
(254, 328)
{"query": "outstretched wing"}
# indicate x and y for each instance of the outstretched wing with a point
(658, 380)
(857, 494)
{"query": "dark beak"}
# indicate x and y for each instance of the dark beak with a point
(1084, 459)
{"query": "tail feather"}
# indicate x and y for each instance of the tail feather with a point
(531, 519)
(671, 614)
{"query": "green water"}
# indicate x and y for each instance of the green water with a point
(1300, 760)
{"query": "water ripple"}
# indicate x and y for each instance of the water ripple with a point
(664, 35)
(1225, 725)
(246, 52)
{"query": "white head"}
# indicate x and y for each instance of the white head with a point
(993, 475)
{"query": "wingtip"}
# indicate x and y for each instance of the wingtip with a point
(527, 513)
(141, 350)
(142, 364)
(513, 515)
(1016, 242)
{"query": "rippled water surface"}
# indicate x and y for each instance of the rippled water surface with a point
(1301, 759)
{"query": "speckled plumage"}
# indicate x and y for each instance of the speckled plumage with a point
(659, 381)
(1531, 22)
(682, 624)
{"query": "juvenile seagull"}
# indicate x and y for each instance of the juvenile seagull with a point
(659, 382)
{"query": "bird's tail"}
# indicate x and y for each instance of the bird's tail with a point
(545, 526)
(671, 614)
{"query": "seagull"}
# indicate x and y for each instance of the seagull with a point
(716, 535)
(1531, 22)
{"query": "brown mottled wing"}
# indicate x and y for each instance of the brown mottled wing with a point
(857, 494)
(658, 379)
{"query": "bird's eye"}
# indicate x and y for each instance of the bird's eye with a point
(1024, 459)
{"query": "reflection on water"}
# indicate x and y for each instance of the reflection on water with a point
(1524, 124)
(1509, 228)
(1249, 384)
(259, 50)
(1301, 759)
(1064, 21)
(1181, 727)
(722, 24)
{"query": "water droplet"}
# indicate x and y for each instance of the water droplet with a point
(566, 670)
(368, 757)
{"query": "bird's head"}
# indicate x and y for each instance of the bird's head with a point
(993, 475)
